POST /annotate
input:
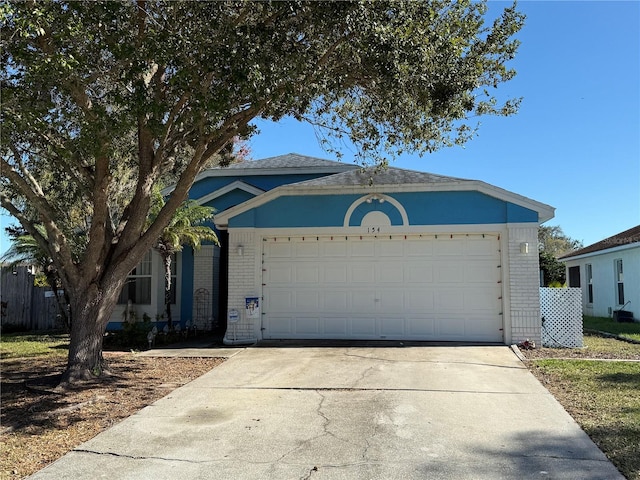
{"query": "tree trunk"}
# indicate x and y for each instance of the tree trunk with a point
(167, 289)
(92, 312)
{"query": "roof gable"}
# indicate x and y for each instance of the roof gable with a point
(237, 185)
(389, 180)
(282, 165)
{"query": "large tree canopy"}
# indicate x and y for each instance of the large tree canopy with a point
(102, 100)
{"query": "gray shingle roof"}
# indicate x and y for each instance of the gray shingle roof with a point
(388, 176)
(290, 160)
(623, 238)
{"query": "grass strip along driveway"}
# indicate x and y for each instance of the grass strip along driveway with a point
(600, 388)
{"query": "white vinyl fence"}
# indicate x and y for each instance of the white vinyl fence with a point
(561, 310)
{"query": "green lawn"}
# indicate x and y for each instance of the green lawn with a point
(604, 398)
(603, 324)
(20, 345)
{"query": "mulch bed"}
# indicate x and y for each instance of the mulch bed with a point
(40, 424)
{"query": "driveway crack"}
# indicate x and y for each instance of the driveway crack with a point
(140, 457)
(326, 422)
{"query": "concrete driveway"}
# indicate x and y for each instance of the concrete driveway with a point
(428, 412)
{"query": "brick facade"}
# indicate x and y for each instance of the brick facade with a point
(244, 281)
(523, 293)
(521, 285)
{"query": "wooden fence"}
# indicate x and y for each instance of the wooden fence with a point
(24, 306)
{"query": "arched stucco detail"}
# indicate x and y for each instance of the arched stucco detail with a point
(375, 218)
(379, 198)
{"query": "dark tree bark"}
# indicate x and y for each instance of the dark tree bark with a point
(92, 312)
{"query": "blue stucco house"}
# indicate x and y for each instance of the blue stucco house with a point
(317, 249)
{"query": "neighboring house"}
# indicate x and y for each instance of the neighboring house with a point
(608, 272)
(316, 249)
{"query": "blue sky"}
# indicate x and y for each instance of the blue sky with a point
(575, 144)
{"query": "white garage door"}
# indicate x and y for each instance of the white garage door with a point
(444, 287)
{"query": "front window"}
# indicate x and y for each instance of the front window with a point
(619, 281)
(138, 286)
(589, 274)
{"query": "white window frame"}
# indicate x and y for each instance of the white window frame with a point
(619, 280)
(588, 272)
(144, 270)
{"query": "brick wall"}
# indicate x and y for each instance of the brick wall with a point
(244, 280)
(524, 283)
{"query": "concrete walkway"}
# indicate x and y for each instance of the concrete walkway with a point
(430, 412)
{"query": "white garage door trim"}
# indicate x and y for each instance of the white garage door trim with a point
(440, 287)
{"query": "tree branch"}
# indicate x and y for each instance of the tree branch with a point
(55, 244)
(99, 239)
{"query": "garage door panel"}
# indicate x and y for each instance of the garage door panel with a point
(448, 300)
(392, 327)
(453, 326)
(390, 273)
(279, 250)
(307, 301)
(279, 274)
(419, 301)
(482, 325)
(418, 248)
(278, 326)
(363, 327)
(335, 274)
(306, 325)
(418, 288)
(309, 249)
(419, 272)
(481, 272)
(334, 249)
(363, 301)
(307, 273)
(422, 327)
(448, 247)
(279, 300)
(335, 327)
(481, 247)
(362, 248)
(336, 301)
(479, 299)
(388, 248)
(362, 273)
(391, 301)
(448, 273)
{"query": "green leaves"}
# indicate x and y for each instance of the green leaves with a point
(185, 227)
(102, 100)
